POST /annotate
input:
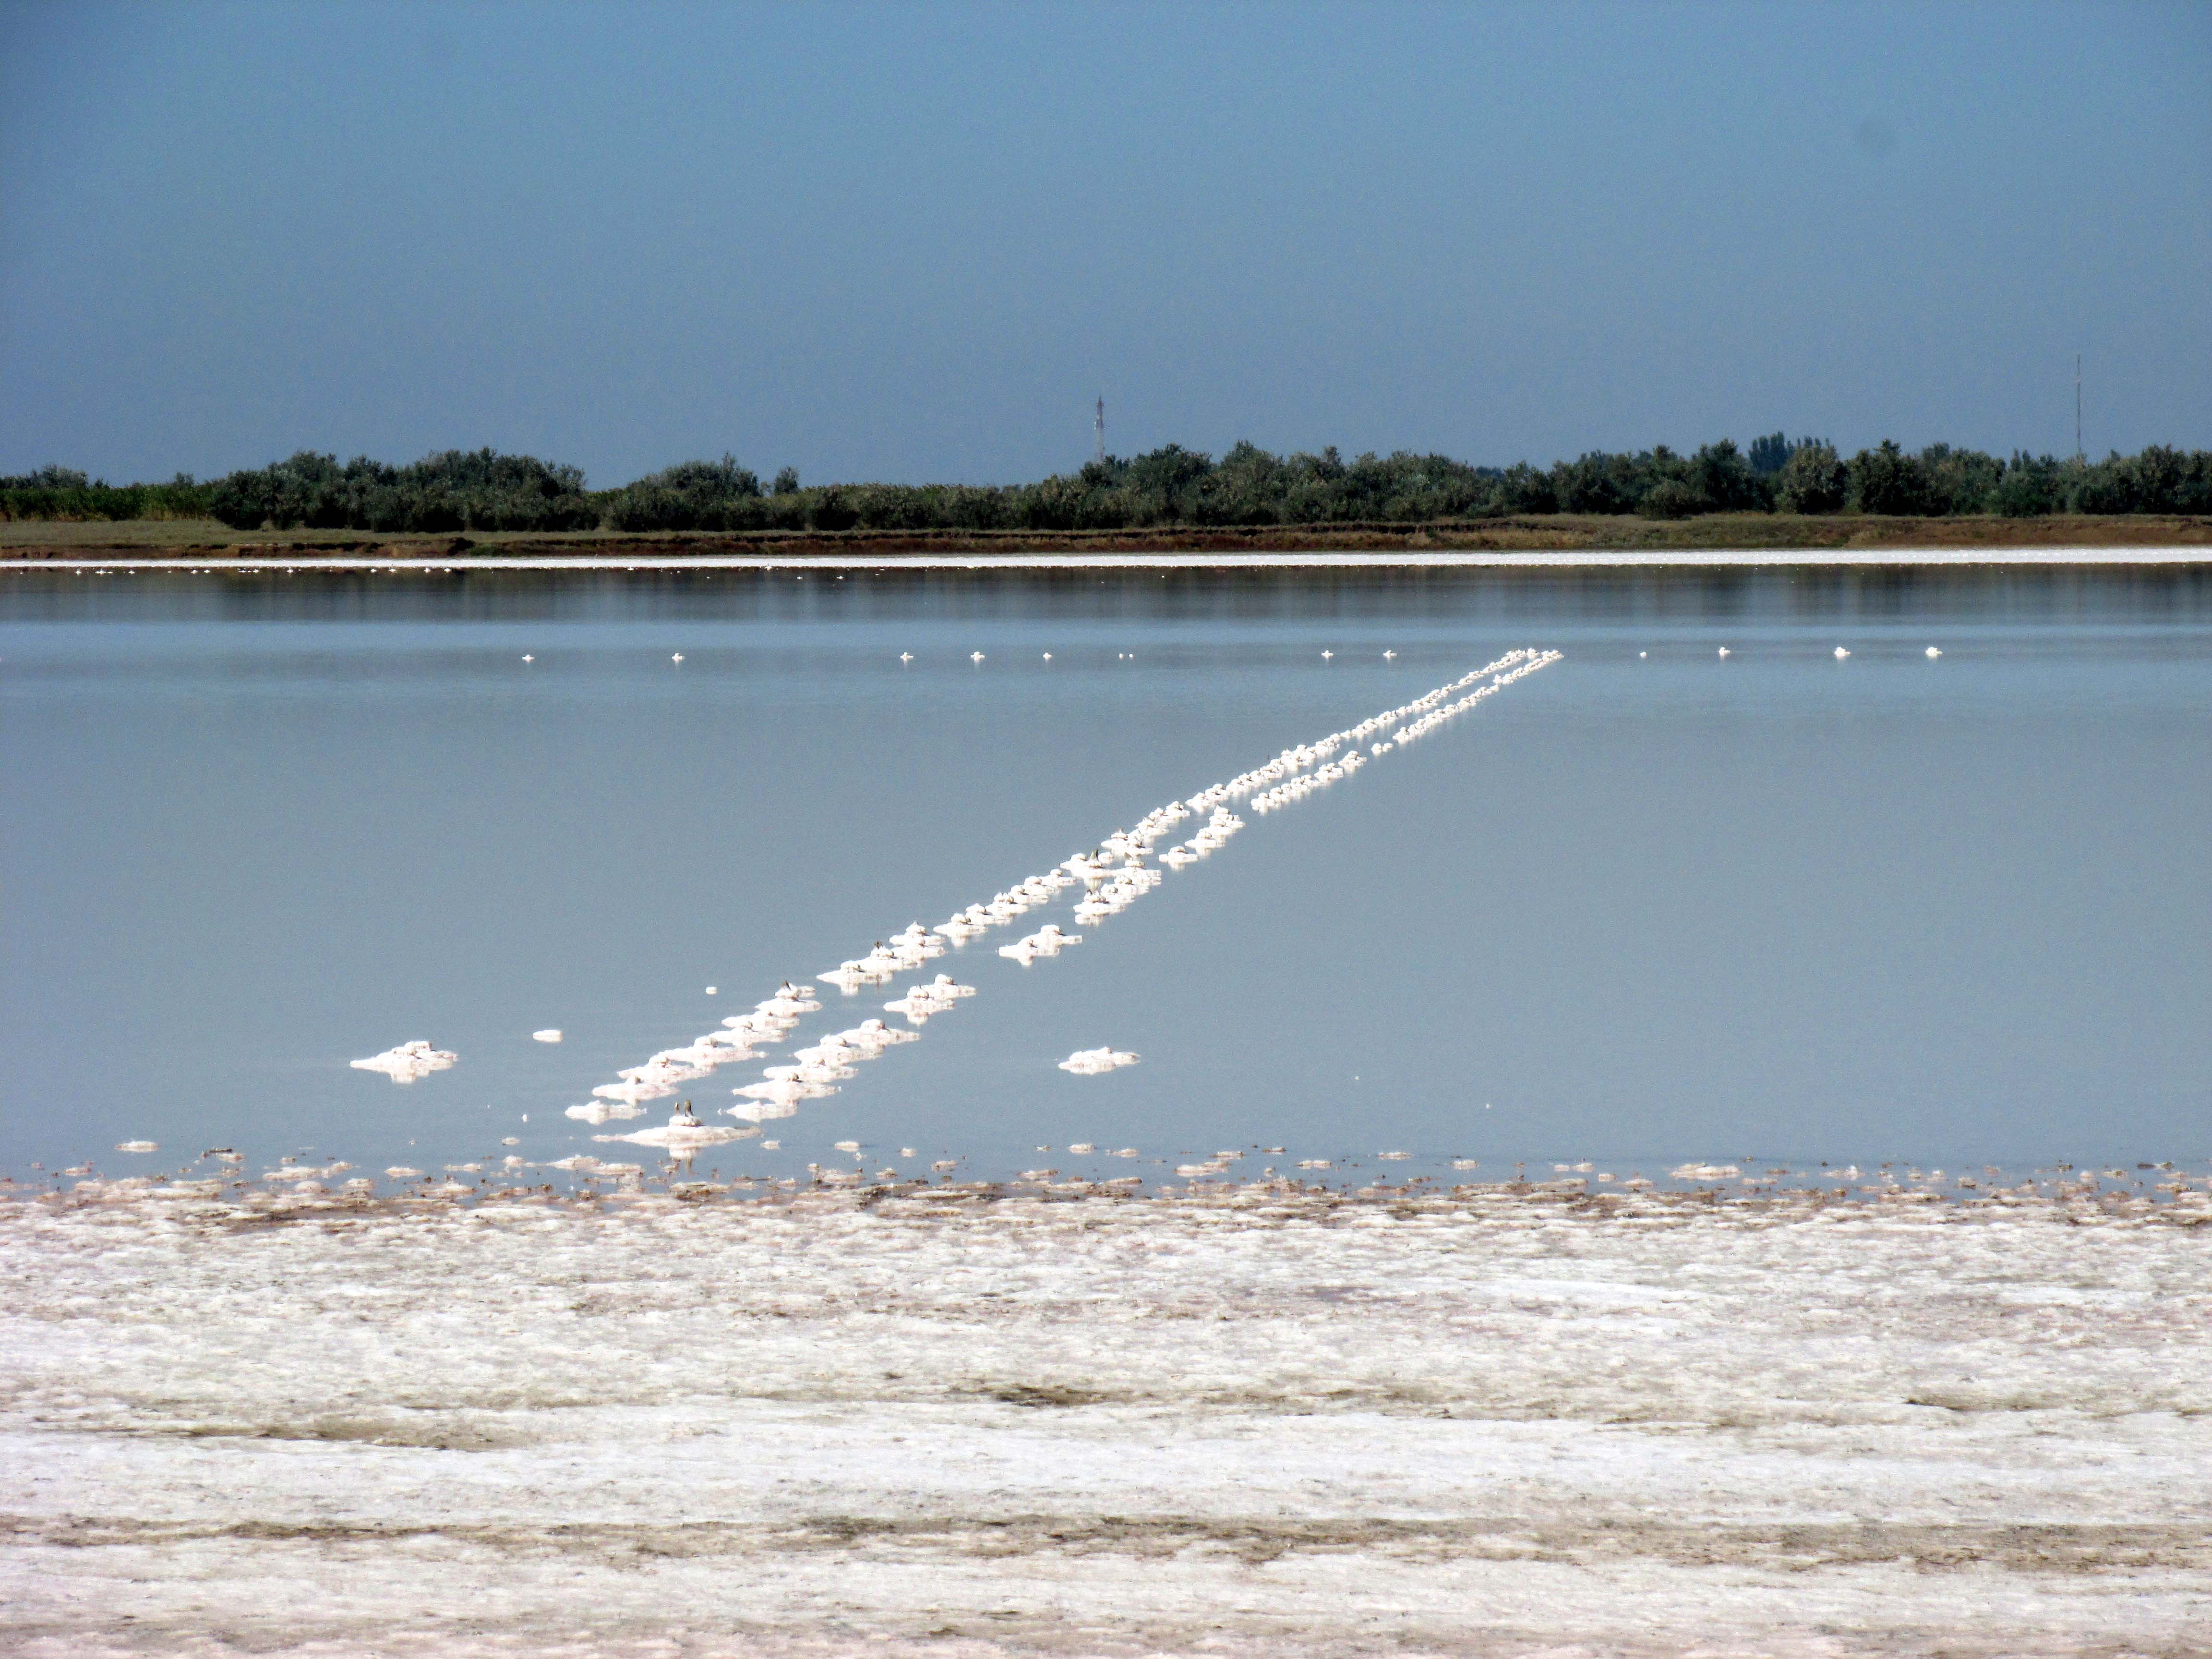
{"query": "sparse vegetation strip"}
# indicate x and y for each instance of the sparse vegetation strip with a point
(1169, 491)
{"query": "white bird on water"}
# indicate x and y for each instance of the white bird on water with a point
(1327, 655)
(1724, 651)
(678, 656)
(1841, 653)
(975, 656)
(1932, 653)
(1390, 656)
(906, 656)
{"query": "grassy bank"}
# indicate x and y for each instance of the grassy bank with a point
(204, 537)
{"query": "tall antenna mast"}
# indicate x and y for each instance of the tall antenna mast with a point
(2078, 453)
(1102, 428)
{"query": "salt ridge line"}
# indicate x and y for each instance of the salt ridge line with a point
(1111, 889)
(1114, 876)
(817, 1073)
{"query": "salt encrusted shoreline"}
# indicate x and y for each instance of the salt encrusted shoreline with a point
(625, 1187)
(308, 559)
(986, 1421)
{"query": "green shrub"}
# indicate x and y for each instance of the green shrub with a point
(1812, 480)
(1673, 498)
(1889, 482)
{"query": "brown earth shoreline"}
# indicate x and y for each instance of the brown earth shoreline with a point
(40, 539)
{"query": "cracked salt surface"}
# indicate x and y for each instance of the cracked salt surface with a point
(1260, 1423)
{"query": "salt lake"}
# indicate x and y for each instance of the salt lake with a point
(1652, 905)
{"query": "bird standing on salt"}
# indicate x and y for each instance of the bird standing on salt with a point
(683, 1135)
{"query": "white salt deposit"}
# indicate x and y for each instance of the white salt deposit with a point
(551, 1034)
(409, 1062)
(1492, 1424)
(1095, 1062)
(680, 1139)
(136, 1147)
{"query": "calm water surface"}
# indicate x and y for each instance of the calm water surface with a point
(1649, 905)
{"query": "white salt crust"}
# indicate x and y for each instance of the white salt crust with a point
(409, 1062)
(1256, 1424)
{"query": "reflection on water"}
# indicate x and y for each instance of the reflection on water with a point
(1654, 908)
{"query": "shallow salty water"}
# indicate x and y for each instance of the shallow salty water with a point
(1648, 905)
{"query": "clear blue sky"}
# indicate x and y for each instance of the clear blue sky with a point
(915, 241)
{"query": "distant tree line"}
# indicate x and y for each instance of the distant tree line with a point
(62, 492)
(483, 490)
(460, 489)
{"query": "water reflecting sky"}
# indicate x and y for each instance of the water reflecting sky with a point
(1638, 908)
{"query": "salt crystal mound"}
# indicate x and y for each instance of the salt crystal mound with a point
(136, 1147)
(408, 1063)
(1096, 1062)
(1499, 1429)
(681, 1140)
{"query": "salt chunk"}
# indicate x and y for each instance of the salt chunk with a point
(1095, 1062)
(408, 1062)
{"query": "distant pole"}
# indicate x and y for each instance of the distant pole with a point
(1102, 428)
(2079, 453)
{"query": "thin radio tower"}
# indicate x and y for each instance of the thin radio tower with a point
(2078, 454)
(1101, 429)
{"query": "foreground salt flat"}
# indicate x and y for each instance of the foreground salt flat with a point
(1265, 1424)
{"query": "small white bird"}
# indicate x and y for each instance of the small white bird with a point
(711, 990)
(678, 657)
(906, 656)
(526, 656)
(551, 1034)
(1048, 656)
(1325, 655)
(1724, 651)
(1390, 656)
(1641, 654)
(975, 656)
(1841, 653)
(1932, 653)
